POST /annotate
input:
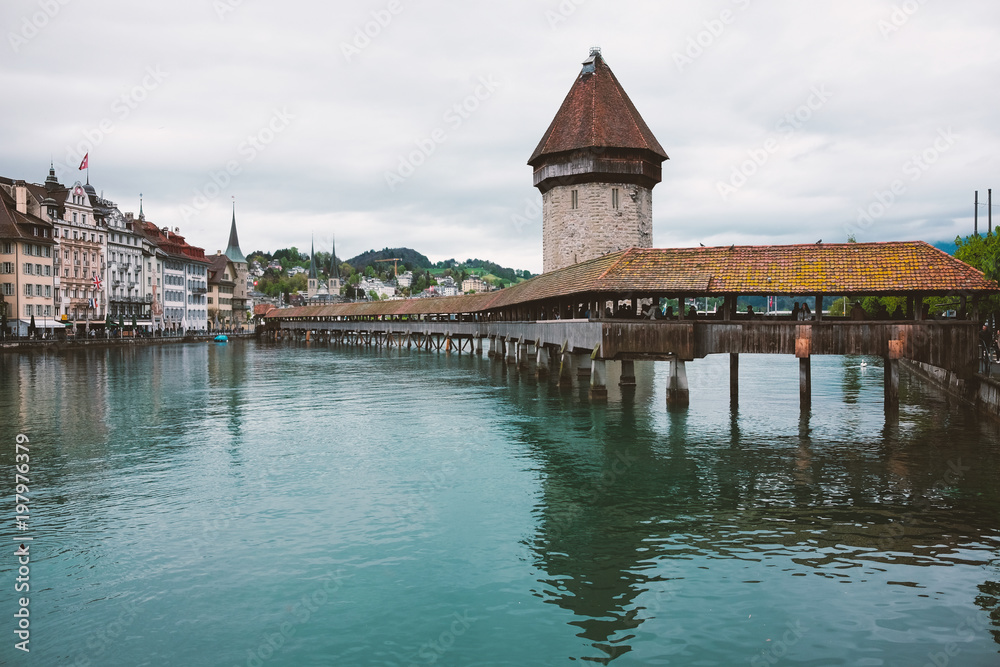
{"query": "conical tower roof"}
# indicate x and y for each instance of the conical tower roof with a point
(597, 113)
(233, 251)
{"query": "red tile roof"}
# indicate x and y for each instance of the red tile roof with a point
(597, 113)
(893, 268)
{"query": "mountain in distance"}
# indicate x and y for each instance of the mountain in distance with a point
(415, 260)
(408, 256)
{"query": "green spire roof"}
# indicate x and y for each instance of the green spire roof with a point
(233, 251)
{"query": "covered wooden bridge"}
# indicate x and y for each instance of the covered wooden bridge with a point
(602, 310)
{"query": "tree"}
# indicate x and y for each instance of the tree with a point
(983, 253)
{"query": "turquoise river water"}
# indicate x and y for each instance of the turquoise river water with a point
(259, 505)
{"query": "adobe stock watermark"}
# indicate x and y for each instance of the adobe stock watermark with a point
(432, 651)
(246, 152)
(788, 125)
(370, 30)
(900, 16)
(99, 641)
(301, 612)
(966, 631)
(532, 212)
(33, 24)
(562, 12)
(779, 648)
(913, 169)
(455, 116)
(121, 108)
(224, 7)
(706, 38)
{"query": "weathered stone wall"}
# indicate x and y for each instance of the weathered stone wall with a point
(595, 227)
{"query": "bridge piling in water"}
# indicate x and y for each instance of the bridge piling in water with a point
(598, 379)
(627, 378)
(678, 395)
(734, 378)
(541, 361)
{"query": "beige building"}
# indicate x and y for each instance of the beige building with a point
(221, 288)
(596, 167)
(474, 284)
(26, 263)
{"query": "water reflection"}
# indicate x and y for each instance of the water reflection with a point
(625, 509)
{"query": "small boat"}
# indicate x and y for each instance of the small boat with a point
(222, 338)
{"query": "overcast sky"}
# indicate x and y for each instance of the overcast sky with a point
(783, 120)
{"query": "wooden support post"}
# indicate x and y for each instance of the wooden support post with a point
(803, 348)
(805, 382)
(479, 345)
(541, 361)
(734, 378)
(522, 354)
(447, 343)
(677, 390)
(891, 384)
(492, 352)
(307, 334)
(511, 350)
(582, 363)
(818, 310)
(628, 374)
(598, 379)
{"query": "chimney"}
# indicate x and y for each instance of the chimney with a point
(21, 196)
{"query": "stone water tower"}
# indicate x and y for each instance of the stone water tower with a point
(596, 167)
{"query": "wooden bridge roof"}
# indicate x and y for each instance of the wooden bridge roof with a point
(892, 268)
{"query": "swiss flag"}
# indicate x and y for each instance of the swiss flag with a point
(83, 165)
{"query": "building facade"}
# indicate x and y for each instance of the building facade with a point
(27, 277)
(596, 167)
(129, 279)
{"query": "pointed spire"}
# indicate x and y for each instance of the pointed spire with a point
(142, 216)
(233, 251)
(312, 261)
(334, 272)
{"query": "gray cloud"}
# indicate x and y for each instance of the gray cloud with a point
(896, 80)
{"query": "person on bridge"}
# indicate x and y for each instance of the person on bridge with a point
(805, 313)
(796, 313)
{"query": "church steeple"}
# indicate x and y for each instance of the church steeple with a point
(334, 269)
(312, 285)
(312, 261)
(233, 251)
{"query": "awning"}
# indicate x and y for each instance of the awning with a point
(45, 323)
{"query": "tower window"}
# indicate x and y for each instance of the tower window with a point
(614, 198)
(574, 199)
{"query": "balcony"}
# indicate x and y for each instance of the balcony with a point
(199, 290)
